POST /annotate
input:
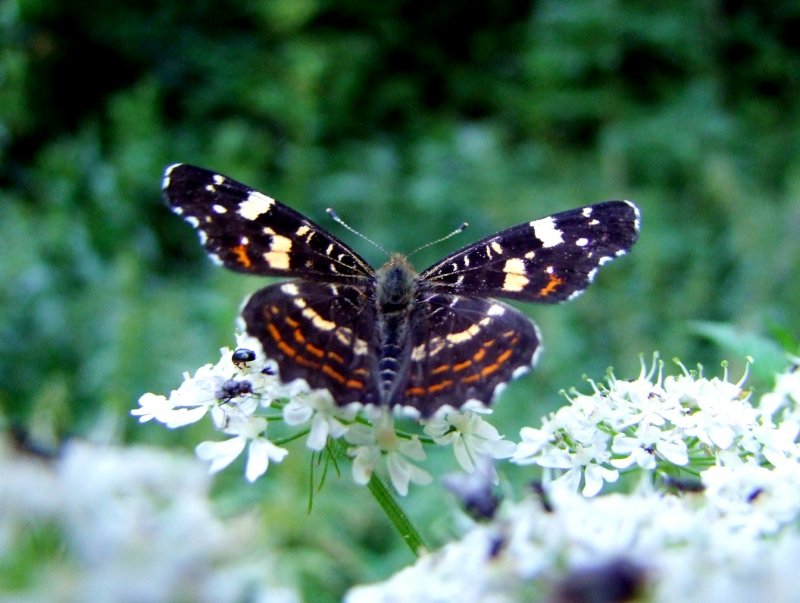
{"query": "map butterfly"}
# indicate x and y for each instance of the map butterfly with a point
(390, 336)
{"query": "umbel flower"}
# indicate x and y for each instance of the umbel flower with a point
(244, 398)
(730, 535)
(666, 487)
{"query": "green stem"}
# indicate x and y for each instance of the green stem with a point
(396, 515)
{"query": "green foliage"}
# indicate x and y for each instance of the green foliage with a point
(408, 118)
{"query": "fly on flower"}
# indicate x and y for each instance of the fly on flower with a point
(392, 337)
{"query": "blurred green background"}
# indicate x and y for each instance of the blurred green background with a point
(408, 117)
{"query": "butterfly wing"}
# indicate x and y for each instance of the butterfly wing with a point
(462, 348)
(321, 332)
(547, 260)
(247, 231)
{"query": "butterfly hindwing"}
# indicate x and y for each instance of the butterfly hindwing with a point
(547, 260)
(249, 232)
(462, 348)
(321, 332)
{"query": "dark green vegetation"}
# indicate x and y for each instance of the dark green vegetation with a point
(408, 117)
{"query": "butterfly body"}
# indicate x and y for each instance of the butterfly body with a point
(390, 336)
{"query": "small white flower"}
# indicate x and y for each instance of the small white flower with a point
(152, 406)
(259, 452)
(532, 443)
(220, 454)
(380, 440)
(648, 441)
(325, 416)
(638, 452)
(472, 438)
(164, 411)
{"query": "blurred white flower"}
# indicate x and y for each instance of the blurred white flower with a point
(127, 524)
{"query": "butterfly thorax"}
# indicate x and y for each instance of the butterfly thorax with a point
(395, 284)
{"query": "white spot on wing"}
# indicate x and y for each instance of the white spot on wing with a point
(219, 209)
(582, 242)
(278, 255)
(360, 347)
(436, 345)
(515, 265)
(278, 261)
(280, 243)
(344, 335)
(167, 172)
(545, 230)
(318, 321)
(255, 205)
(464, 335)
(519, 371)
(496, 310)
(515, 279)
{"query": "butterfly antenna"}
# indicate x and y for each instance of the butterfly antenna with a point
(458, 230)
(338, 220)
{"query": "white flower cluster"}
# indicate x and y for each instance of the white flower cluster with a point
(653, 422)
(733, 538)
(125, 524)
(243, 397)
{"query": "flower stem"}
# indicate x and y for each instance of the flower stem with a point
(396, 515)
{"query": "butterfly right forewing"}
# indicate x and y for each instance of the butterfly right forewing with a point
(546, 260)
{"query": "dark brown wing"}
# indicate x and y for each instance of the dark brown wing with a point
(463, 348)
(546, 260)
(247, 231)
(323, 333)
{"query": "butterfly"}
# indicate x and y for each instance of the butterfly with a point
(391, 336)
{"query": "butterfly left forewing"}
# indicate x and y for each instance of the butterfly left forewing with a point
(546, 260)
(249, 232)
